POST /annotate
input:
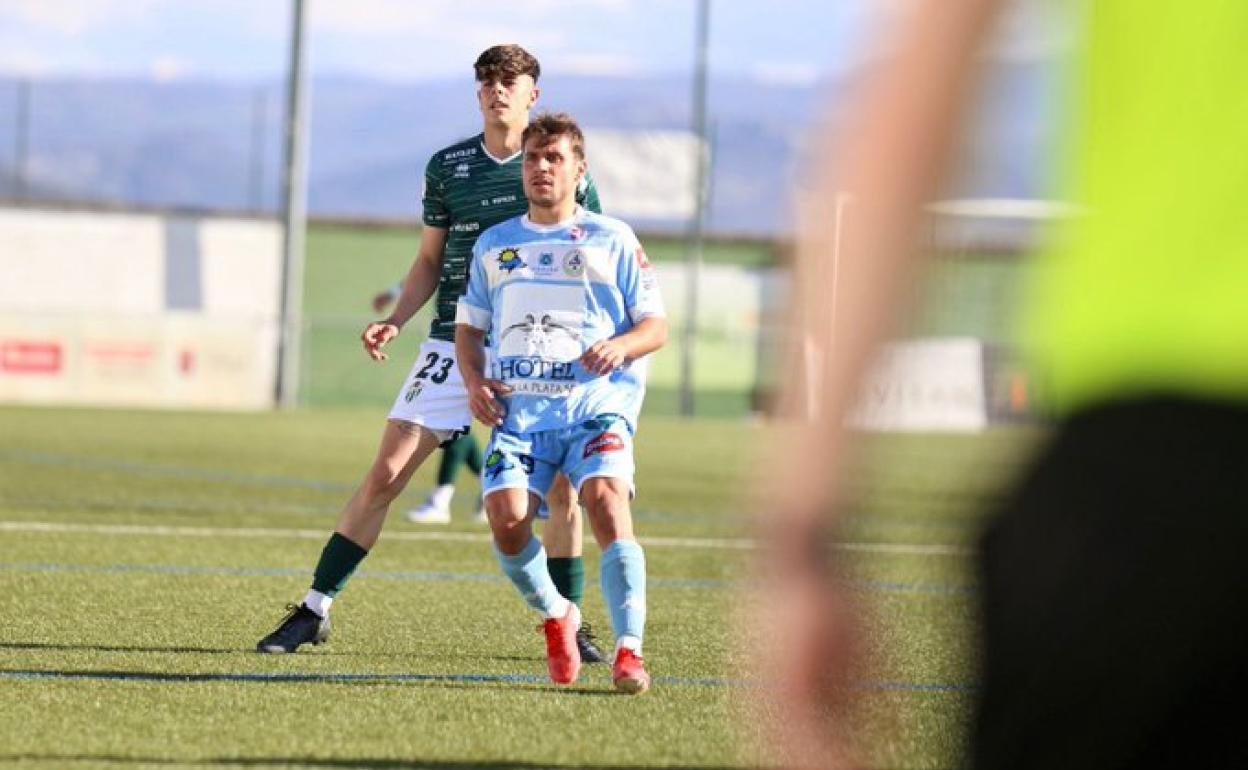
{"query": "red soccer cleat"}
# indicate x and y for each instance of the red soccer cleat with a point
(629, 673)
(562, 655)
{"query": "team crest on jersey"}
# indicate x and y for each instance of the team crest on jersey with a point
(574, 263)
(509, 259)
(545, 264)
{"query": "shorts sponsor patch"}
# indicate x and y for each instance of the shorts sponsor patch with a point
(498, 462)
(604, 442)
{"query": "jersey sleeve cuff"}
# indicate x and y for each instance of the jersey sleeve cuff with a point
(639, 314)
(471, 315)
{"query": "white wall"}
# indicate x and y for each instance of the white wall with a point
(138, 309)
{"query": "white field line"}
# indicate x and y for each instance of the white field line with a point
(143, 530)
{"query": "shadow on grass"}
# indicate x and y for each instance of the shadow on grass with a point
(115, 648)
(314, 762)
(410, 655)
(512, 682)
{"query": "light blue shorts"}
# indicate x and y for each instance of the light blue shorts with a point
(600, 447)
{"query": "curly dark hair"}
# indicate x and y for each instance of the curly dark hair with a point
(501, 62)
(549, 126)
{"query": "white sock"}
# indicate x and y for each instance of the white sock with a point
(318, 602)
(630, 643)
(441, 497)
(559, 608)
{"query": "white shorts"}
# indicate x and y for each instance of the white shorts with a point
(433, 395)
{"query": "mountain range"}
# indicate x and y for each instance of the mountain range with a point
(217, 145)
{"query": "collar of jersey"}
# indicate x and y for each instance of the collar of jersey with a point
(531, 225)
(499, 161)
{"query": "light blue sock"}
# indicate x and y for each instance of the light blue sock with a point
(527, 572)
(623, 577)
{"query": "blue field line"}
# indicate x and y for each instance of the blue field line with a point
(880, 586)
(327, 510)
(165, 506)
(916, 687)
(287, 678)
(333, 678)
(203, 474)
(679, 583)
(150, 469)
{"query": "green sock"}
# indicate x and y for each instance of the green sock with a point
(338, 561)
(472, 455)
(569, 577)
(461, 451)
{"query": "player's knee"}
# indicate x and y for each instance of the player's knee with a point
(605, 504)
(508, 521)
(383, 483)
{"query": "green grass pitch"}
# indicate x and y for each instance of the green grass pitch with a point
(143, 553)
(347, 265)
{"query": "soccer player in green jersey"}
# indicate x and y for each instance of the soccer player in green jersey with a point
(469, 187)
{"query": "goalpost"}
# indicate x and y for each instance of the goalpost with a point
(955, 366)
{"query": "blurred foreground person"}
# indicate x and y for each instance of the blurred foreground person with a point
(1114, 616)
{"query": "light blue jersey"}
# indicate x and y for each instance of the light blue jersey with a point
(546, 294)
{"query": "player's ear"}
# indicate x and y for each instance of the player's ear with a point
(533, 95)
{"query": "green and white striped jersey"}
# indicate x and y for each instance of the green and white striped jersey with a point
(468, 191)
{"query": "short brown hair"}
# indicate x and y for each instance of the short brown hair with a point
(549, 126)
(506, 61)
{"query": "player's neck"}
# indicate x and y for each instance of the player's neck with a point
(552, 215)
(502, 140)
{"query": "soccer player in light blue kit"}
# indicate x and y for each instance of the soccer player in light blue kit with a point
(572, 307)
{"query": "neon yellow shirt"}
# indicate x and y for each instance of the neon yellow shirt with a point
(1148, 291)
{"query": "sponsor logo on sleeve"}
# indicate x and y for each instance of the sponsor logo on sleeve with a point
(602, 443)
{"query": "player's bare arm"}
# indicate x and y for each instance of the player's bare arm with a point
(418, 286)
(605, 356)
(483, 392)
(891, 158)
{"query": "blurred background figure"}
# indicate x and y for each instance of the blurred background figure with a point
(1113, 617)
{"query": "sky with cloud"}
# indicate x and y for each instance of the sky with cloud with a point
(789, 41)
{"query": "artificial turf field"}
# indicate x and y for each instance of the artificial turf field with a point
(142, 554)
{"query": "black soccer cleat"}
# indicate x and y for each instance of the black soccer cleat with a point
(300, 627)
(587, 643)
